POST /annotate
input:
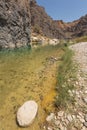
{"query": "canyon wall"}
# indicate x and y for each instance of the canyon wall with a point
(15, 23)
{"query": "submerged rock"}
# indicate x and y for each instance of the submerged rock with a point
(26, 113)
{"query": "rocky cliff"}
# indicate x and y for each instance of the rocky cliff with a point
(19, 17)
(74, 29)
(45, 25)
(80, 28)
(42, 23)
(14, 23)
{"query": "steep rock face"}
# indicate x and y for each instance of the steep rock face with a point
(74, 29)
(17, 17)
(45, 25)
(14, 23)
(42, 23)
(80, 29)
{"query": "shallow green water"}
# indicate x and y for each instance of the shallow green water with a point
(27, 75)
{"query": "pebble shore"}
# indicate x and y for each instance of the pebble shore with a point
(77, 118)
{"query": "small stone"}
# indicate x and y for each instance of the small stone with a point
(70, 93)
(50, 117)
(61, 127)
(77, 93)
(57, 122)
(55, 59)
(67, 122)
(65, 128)
(77, 83)
(86, 92)
(73, 116)
(49, 128)
(69, 117)
(62, 119)
(73, 91)
(83, 128)
(69, 80)
(55, 117)
(81, 125)
(80, 92)
(85, 100)
(44, 127)
(60, 113)
(80, 118)
(86, 117)
(85, 124)
(80, 114)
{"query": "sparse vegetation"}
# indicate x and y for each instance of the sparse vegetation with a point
(66, 72)
(81, 39)
(36, 29)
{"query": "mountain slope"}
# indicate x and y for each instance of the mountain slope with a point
(44, 24)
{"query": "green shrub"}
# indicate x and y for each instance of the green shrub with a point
(36, 29)
(65, 72)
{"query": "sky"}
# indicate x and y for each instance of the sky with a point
(66, 10)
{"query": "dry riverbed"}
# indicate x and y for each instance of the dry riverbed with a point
(76, 117)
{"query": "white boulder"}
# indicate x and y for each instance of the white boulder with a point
(54, 41)
(26, 113)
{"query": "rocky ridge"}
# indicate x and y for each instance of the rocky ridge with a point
(43, 24)
(77, 118)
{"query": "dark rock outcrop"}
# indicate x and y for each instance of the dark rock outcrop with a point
(80, 28)
(14, 23)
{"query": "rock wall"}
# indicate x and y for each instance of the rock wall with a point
(74, 29)
(42, 23)
(15, 23)
(80, 29)
(18, 17)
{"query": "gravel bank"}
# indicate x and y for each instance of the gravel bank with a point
(77, 118)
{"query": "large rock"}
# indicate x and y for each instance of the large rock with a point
(15, 23)
(26, 113)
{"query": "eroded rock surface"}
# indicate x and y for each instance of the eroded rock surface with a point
(14, 23)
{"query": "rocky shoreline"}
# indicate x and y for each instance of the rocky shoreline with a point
(76, 117)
